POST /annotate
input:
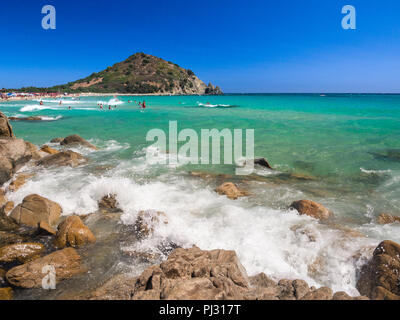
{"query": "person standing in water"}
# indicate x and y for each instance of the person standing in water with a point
(144, 105)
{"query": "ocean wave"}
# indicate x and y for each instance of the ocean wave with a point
(111, 102)
(35, 107)
(375, 171)
(208, 105)
(46, 118)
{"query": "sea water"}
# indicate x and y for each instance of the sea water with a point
(340, 150)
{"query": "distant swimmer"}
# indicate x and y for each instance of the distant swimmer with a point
(101, 107)
(41, 102)
(60, 103)
(144, 105)
(69, 108)
(109, 107)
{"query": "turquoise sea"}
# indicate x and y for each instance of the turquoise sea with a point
(342, 150)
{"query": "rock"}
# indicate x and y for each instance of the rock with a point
(344, 296)
(30, 118)
(14, 153)
(20, 252)
(312, 209)
(48, 150)
(56, 140)
(66, 263)
(73, 232)
(45, 228)
(3, 199)
(6, 223)
(2, 277)
(19, 181)
(36, 153)
(385, 218)
(35, 209)
(75, 140)
(64, 158)
(194, 274)
(323, 293)
(6, 294)
(8, 207)
(5, 127)
(7, 238)
(379, 278)
(211, 90)
(147, 221)
(109, 203)
(263, 163)
(231, 191)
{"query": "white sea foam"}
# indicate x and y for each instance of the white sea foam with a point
(375, 171)
(35, 107)
(208, 105)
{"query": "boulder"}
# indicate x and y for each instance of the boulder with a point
(30, 118)
(231, 191)
(19, 181)
(312, 209)
(263, 163)
(385, 218)
(6, 223)
(64, 158)
(323, 293)
(109, 203)
(73, 232)
(7, 238)
(6, 294)
(14, 153)
(36, 153)
(7, 208)
(56, 140)
(147, 221)
(66, 263)
(48, 150)
(344, 296)
(20, 252)
(379, 278)
(5, 127)
(75, 140)
(46, 229)
(194, 274)
(3, 199)
(35, 209)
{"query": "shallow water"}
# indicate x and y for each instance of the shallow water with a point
(346, 146)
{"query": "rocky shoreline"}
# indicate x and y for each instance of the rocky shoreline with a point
(34, 234)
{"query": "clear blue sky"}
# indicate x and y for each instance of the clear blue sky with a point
(243, 46)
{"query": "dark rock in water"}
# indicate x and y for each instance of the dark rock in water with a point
(109, 203)
(31, 118)
(7, 238)
(75, 140)
(311, 208)
(64, 158)
(389, 154)
(211, 90)
(5, 127)
(262, 162)
(379, 278)
(35, 209)
(56, 140)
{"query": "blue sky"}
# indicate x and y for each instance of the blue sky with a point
(243, 46)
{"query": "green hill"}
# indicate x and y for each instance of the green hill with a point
(141, 73)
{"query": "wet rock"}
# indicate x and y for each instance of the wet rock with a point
(2, 277)
(20, 252)
(48, 150)
(56, 140)
(6, 223)
(36, 153)
(30, 118)
(75, 140)
(312, 209)
(6, 294)
(344, 296)
(385, 218)
(73, 232)
(231, 191)
(46, 229)
(35, 209)
(379, 278)
(194, 274)
(3, 199)
(109, 203)
(147, 221)
(64, 158)
(262, 162)
(8, 207)
(5, 127)
(14, 153)
(7, 238)
(19, 181)
(323, 293)
(66, 263)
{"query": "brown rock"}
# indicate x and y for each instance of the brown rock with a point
(7, 208)
(147, 221)
(7, 238)
(35, 209)
(6, 223)
(344, 296)
(19, 181)
(109, 203)
(56, 140)
(64, 158)
(20, 252)
(45, 228)
(312, 209)
(6, 294)
(49, 150)
(2, 277)
(36, 153)
(30, 118)
(74, 140)
(385, 218)
(73, 232)
(3, 198)
(323, 293)
(379, 278)
(5, 127)
(231, 191)
(66, 262)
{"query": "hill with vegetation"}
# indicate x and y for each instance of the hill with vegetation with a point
(141, 74)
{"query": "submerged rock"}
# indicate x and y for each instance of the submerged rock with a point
(19, 181)
(109, 203)
(30, 118)
(75, 140)
(385, 218)
(379, 278)
(72, 232)
(147, 221)
(20, 252)
(7, 238)
(64, 158)
(312, 209)
(35, 209)
(66, 263)
(231, 191)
